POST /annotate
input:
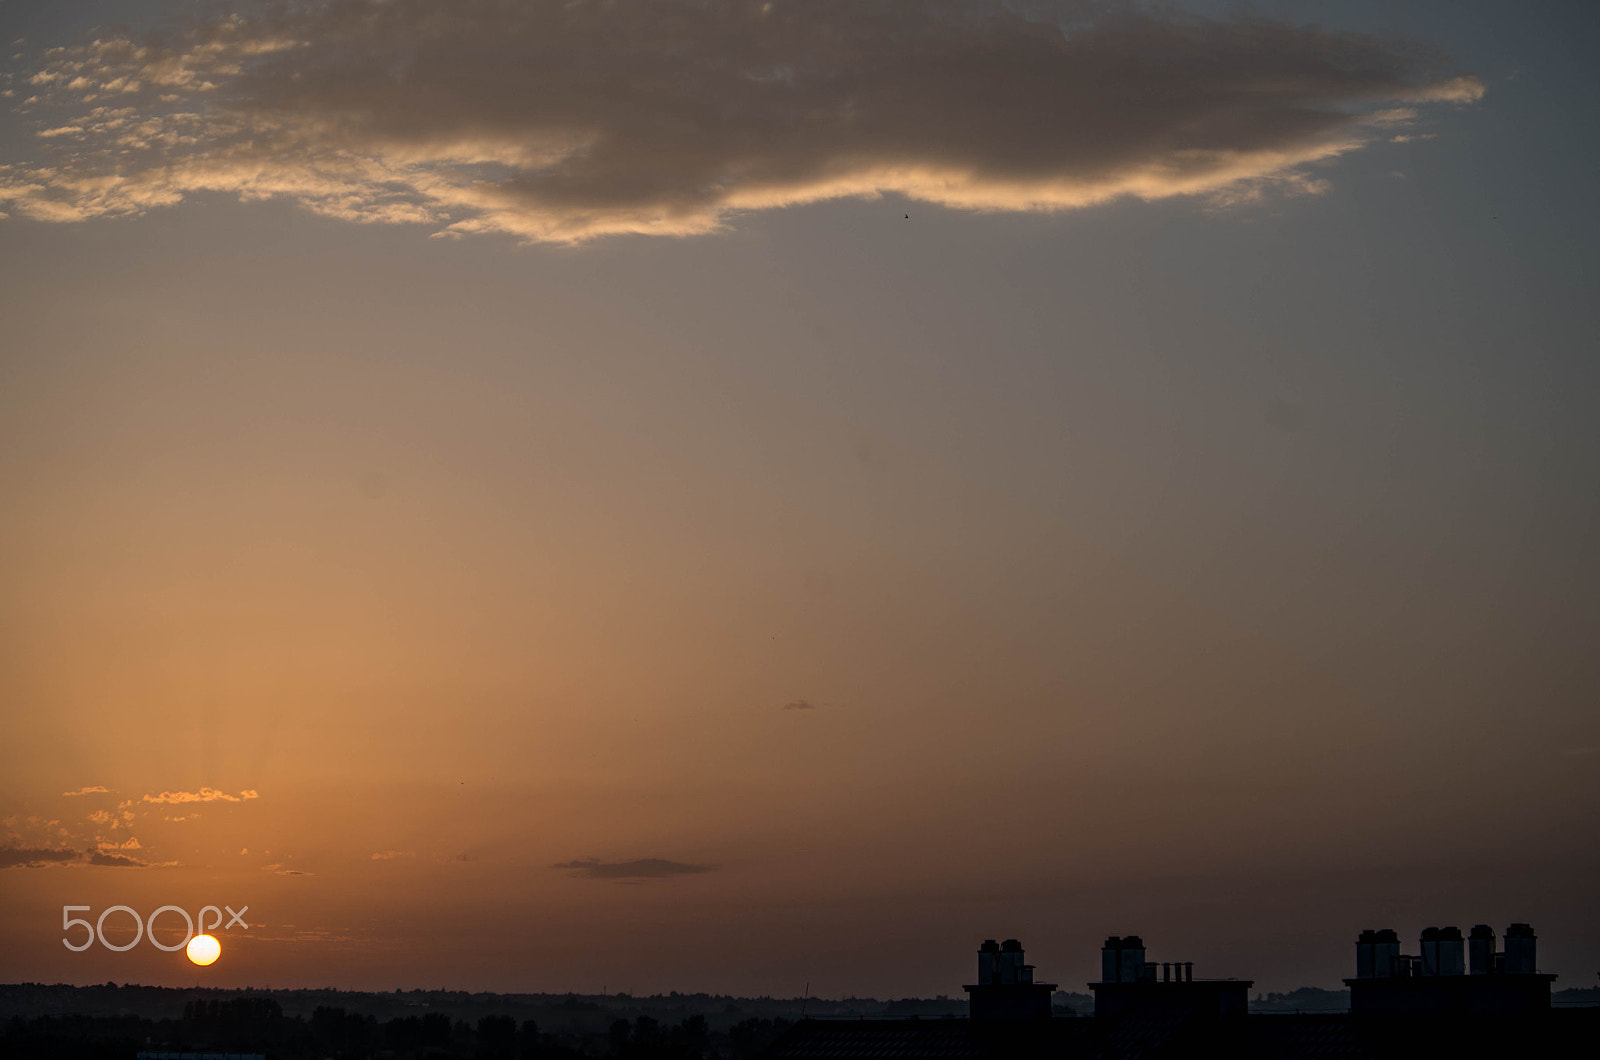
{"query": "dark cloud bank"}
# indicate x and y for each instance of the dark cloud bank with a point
(41, 857)
(35, 857)
(562, 121)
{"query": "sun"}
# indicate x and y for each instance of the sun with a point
(203, 949)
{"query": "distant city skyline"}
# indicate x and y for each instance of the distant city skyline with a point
(730, 496)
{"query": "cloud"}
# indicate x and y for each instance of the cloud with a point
(640, 869)
(800, 704)
(390, 855)
(564, 120)
(86, 791)
(35, 857)
(98, 858)
(203, 795)
(1580, 751)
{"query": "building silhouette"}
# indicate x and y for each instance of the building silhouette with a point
(1005, 988)
(1449, 975)
(1454, 996)
(1129, 983)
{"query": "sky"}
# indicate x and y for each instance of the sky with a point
(754, 497)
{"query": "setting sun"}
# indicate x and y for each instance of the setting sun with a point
(203, 949)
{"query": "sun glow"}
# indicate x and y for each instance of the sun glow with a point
(203, 949)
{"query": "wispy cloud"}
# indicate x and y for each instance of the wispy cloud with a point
(35, 857)
(291, 933)
(390, 855)
(639, 869)
(100, 858)
(203, 795)
(800, 704)
(86, 791)
(562, 121)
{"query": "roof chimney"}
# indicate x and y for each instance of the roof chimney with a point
(1010, 961)
(1520, 950)
(1430, 951)
(1130, 966)
(1450, 962)
(988, 963)
(1480, 950)
(1109, 957)
(1366, 948)
(1385, 953)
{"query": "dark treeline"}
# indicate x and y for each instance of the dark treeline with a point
(257, 1024)
(1305, 999)
(562, 1014)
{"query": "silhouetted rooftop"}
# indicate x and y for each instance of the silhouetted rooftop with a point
(1151, 1034)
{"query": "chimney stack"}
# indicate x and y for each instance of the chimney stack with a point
(1366, 951)
(1385, 954)
(988, 963)
(1480, 950)
(1010, 962)
(1110, 959)
(1520, 955)
(1131, 966)
(1430, 951)
(1450, 961)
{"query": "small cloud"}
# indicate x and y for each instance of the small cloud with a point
(630, 871)
(800, 704)
(1579, 751)
(390, 855)
(98, 858)
(95, 790)
(35, 857)
(128, 844)
(294, 872)
(246, 850)
(203, 795)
